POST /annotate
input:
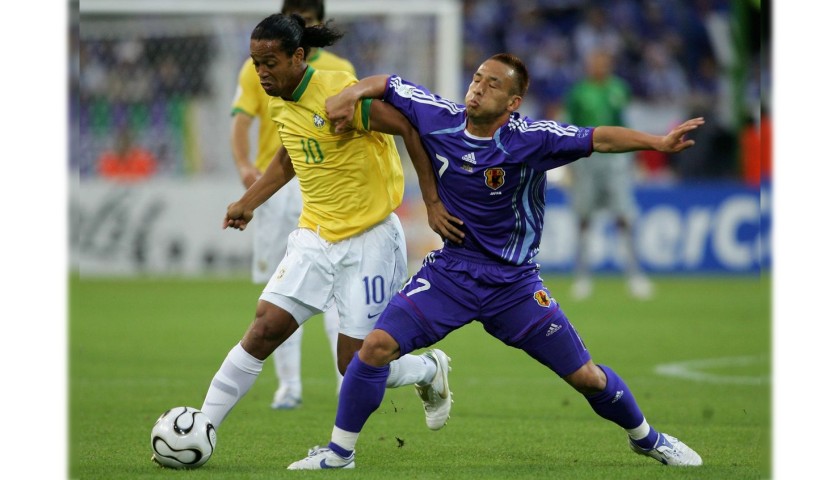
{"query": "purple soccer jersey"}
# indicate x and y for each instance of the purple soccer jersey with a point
(495, 185)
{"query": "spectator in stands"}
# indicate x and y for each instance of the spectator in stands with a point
(130, 81)
(756, 150)
(93, 73)
(595, 33)
(663, 79)
(127, 161)
(553, 72)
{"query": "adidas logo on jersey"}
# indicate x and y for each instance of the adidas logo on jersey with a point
(552, 329)
(470, 157)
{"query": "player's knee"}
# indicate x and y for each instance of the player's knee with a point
(379, 349)
(270, 328)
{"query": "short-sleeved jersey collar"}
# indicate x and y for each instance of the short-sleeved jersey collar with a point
(307, 76)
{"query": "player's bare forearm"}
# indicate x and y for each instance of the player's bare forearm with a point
(278, 174)
(341, 107)
(371, 87)
(440, 221)
(241, 148)
(387, 119)
(608, 139)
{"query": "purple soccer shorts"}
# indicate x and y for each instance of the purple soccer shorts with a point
(451, 290)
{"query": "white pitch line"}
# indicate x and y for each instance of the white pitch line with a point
(692, 370)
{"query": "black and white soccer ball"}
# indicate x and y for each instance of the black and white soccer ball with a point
(183, 437)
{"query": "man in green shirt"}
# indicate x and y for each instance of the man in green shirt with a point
(604, 180)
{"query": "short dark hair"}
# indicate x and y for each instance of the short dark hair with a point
(292, 32)
(316, 6)
(518, 66)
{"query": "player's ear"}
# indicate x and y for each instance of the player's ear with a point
(299, 55)
(514, 103)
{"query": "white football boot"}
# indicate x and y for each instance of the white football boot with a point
(321, 458)
(670, 451)
(285, 399)
(436, 396)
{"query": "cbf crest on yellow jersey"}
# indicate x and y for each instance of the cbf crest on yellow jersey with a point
(349, 181)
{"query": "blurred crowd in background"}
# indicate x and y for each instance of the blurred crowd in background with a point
(670, 52)
(130, 97)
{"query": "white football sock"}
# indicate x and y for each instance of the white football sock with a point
(344, 439)
(411, 369)
(331, 327)
(287, 363)
(582, 267)
(235, 377)
(627, 250)
(639, 432)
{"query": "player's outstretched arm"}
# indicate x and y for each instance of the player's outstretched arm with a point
(387, 119)
(278, 173)
(620, 139)
(341, 107)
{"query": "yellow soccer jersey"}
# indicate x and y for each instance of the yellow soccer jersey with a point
(350, 181)
(252, 100)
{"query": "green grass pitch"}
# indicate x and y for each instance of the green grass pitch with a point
(139, 347)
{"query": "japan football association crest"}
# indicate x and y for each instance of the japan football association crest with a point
(318, 121)
(542, 298)
(494, 178)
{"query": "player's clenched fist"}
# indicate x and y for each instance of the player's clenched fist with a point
(237, 217)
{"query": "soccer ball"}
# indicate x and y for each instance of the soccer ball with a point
(183, 437)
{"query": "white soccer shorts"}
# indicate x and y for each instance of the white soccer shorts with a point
(359, 275)
(273, 221)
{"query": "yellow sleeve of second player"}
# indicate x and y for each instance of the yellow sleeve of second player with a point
(252, 100)
(250, 97)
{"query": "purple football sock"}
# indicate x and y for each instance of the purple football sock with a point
(362, 391)
(618, 405)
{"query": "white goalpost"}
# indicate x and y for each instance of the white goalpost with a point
(447, 18)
